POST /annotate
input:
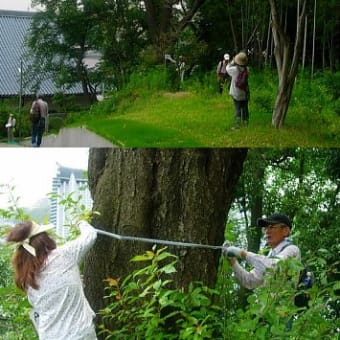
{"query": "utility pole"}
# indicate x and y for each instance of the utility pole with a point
(20, 97)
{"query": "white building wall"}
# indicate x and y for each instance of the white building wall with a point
(62, 187)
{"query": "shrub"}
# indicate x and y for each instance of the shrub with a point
(143, 307)
(107, 106)
(14, 320)
(56, 123)
(153, 79)
(14, 307)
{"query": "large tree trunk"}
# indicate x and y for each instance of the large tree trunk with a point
(287, 65)
(173, 194)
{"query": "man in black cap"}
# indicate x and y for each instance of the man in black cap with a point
(277, 228)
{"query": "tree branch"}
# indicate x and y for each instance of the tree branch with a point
(189, 15)
(298, 40)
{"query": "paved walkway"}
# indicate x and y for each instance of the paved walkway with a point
(68, 137)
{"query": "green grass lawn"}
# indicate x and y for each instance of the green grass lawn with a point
(186, 119)
(142, 115)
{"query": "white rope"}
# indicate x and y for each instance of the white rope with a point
(156, 241)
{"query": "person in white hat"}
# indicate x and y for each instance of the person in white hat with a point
(10, 125)
(221, 72)
(239, 88)
(50, 277)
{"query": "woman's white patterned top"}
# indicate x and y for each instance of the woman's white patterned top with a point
(60, 309)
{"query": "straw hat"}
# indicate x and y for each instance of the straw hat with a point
(241, 59)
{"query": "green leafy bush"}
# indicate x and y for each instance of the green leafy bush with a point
(5, 269)
(107, 106)
(15, 323)
(144, 307)
(145, 81)
(56, 123)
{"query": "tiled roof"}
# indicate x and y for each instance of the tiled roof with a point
(14, 27)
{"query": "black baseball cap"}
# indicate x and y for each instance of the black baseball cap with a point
(274, 219)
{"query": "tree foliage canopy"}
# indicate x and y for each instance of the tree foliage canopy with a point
(131, 33)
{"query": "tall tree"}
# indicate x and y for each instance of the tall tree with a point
(166, 19)
(327, 34)
(121, 37)
(286, 62)
(303, 183)
(60, 38)
(169, 194)
(251, 200)
(253, 182)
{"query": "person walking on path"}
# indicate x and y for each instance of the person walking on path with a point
(221, 72)
(10, 125)
(40, 110)
(50, 277)
(277, 228)
(239, 88)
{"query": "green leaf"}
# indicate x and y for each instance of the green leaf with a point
(140, 258)
(157, 284)
(168, 269)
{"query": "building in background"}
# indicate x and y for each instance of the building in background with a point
(14, 62)
(67, 181)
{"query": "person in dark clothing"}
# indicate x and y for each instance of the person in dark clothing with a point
(38, 127)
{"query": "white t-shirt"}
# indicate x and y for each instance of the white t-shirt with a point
(60, 308)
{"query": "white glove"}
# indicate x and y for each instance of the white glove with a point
(232, 251)
(225, 246)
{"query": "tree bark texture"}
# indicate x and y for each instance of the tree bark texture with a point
(172, 194)
(282, 102)
(286, 61)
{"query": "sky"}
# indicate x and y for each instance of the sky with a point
(31, 170)
(15, 5)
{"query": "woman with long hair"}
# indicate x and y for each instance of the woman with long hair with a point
(50, 277)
